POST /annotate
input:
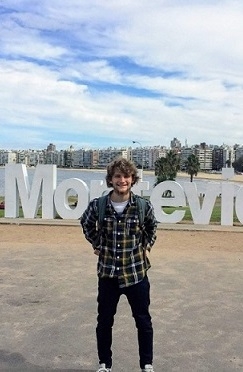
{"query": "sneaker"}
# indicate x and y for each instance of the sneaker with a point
(103, 368)
(148, 368)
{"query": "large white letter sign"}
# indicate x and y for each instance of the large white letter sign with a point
(17, 185)
(239, 204)
(201, 215)
(140, 186)
(98, 188)
(44, 193)
(227, 203)
(61, 198)
(178, 200)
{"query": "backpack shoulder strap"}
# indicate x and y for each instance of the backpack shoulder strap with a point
(102, 200)
(141, 203)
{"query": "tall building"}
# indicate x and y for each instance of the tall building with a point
(137, 156)
(238, 152)
(78, 158)
(185, 152)
(175, 144)
(204, 154)
(217, 158)
(51, 148)
(8, 157)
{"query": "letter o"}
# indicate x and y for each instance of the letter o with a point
(61, 198)
(239, 204)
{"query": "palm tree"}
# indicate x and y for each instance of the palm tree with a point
(167, 168)
(161, 170)
(192, 166)
(173, 161)
(238, 164)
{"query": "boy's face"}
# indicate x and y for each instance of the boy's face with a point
(121, 183)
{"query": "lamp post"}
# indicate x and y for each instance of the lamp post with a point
(141, 176)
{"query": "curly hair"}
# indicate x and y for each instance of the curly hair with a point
(124, 166)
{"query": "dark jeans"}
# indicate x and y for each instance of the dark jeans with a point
(139, 299)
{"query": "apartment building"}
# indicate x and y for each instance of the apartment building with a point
(185, 152)
(22, 157)
(107, 155)
(8, 157)
(204, 155)
(228, 155)
(77, 158)
(218, 158)
(238, 152)
(222, 156)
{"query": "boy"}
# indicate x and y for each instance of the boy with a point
(123, 247)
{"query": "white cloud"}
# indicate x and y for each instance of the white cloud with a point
(153, 70)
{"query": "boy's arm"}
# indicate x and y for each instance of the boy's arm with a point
(89, 222)
(150, 226)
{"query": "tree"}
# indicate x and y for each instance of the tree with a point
(167, 168)
(173, 164)
(192, 166)
(238, 164)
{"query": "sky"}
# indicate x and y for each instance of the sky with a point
(97, 74)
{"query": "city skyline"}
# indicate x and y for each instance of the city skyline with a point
(97, 74)
(133, 146)
(211, 157)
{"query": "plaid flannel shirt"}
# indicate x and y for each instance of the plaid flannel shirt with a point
(121, 240)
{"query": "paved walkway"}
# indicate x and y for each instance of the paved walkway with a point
(168, 226)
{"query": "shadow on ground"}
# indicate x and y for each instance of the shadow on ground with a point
(17, 363)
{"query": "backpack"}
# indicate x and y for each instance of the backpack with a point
(141, 204)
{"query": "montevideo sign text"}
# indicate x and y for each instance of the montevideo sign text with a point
(53, 198)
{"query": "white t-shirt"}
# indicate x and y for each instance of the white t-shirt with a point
(119, 206)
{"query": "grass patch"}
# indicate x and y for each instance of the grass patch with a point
(215, 216)
(71, 201)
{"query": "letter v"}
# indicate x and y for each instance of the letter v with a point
(201, 214)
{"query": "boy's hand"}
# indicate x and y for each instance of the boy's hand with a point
(148, 250)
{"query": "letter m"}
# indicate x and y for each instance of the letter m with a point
(17, 189)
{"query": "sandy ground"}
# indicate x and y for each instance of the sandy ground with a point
(168, 242)
(48, 302)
